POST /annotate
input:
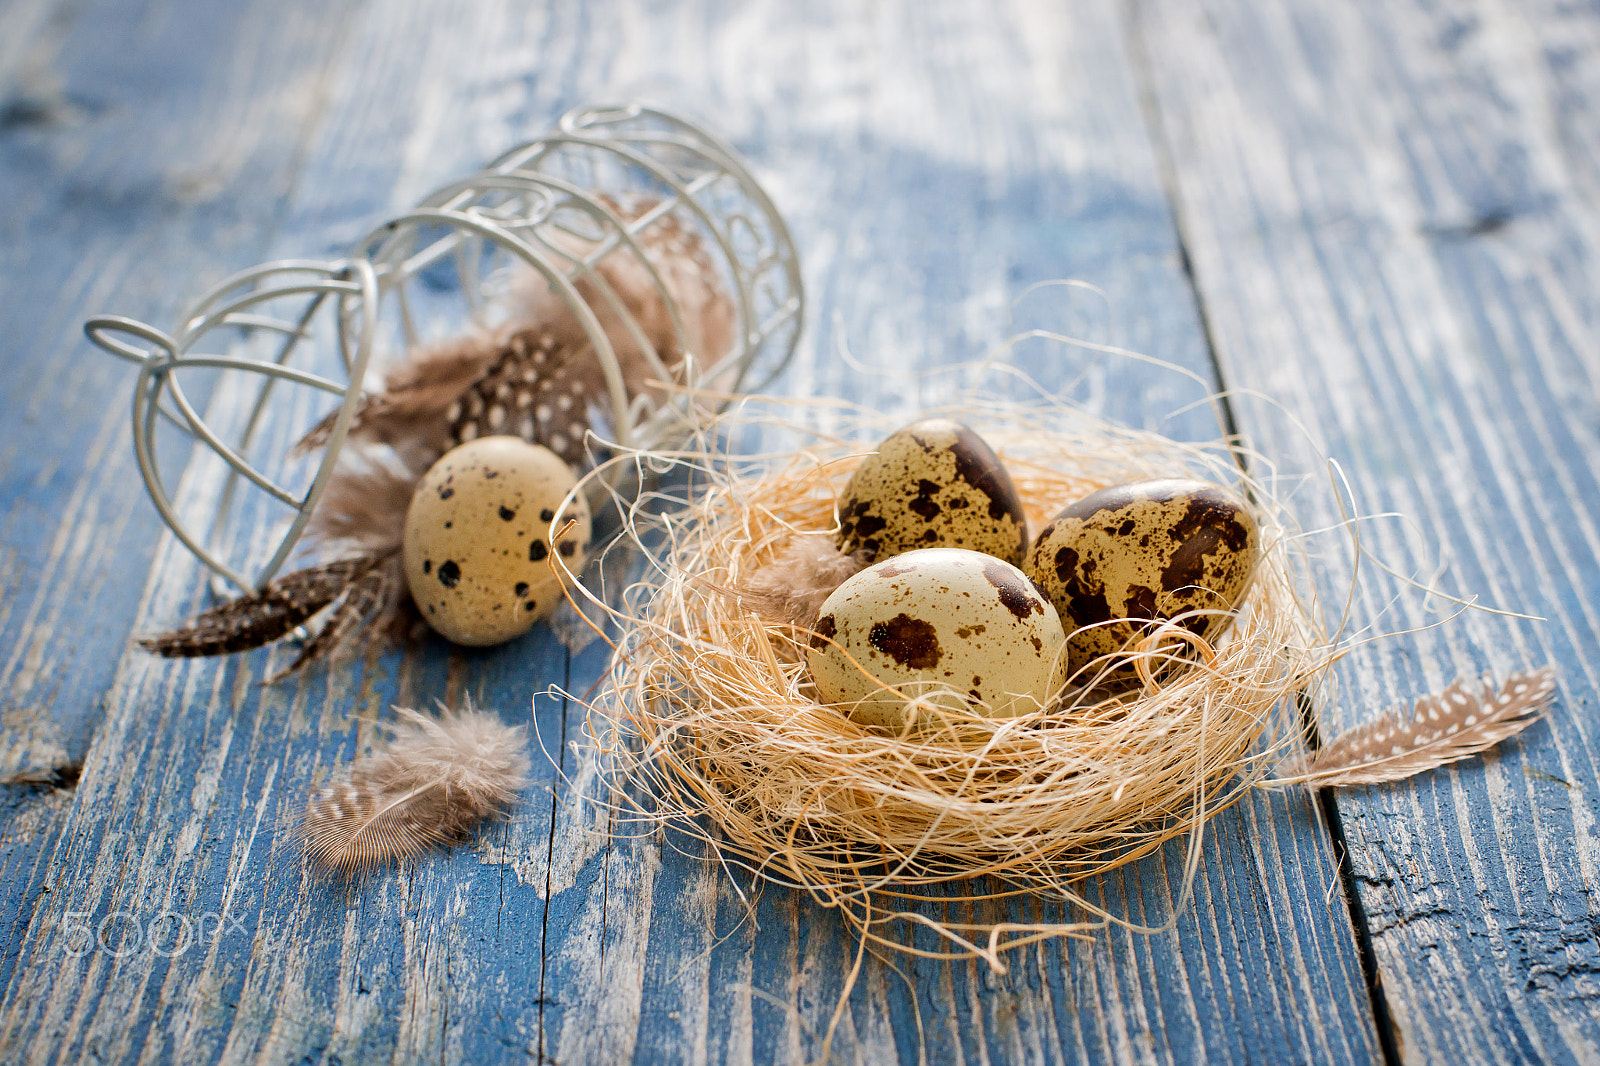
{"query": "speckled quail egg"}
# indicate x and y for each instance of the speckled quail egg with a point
(933, 484)
(1141, 551)
(478, 538)
(963, 628)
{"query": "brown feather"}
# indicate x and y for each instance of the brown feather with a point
(368, 605)
(1444, 727)
(791, 589)
(363, 508)
(360, 518)
(438, 390)
(261, 616)
(408, 413)
(677, 253)
(679, 256)
(433, 781)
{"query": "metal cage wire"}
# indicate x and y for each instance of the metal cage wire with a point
(557, 207)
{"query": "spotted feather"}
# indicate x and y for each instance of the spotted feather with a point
(539, 389)
(1444, 727)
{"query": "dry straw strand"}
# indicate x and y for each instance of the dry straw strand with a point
(1467, 718)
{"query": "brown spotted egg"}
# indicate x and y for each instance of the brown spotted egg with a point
(1144, 551)
(934, 483)
(478, 539)
(962, 628)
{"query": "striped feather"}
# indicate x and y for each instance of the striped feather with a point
(369, 603)
(261, 616)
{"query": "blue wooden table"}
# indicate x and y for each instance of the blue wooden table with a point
(1376, 225)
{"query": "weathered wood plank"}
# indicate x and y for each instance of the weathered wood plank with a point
(308, 965)
(974, 153)
(105, 205)
(115, 174)
(934, 160)
(1392, 218)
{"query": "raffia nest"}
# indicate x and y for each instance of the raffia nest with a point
(709, 722)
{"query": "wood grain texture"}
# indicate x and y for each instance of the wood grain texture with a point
(933, 160)
(1391, 213)
(126, 184)
(116, 189)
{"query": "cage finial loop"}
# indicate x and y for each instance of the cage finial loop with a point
(103, 331)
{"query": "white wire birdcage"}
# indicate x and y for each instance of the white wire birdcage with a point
(611, 192)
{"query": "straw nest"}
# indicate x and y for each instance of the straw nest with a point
(710, 723)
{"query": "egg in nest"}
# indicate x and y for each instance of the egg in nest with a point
(1128, 555)
(934, 483)
(966, 630)
(479, 538)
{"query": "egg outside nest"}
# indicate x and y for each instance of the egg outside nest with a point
(479, 536)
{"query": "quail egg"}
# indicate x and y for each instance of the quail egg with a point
(478, 538)
(966, 630)
(933, 484)
(1148, 550)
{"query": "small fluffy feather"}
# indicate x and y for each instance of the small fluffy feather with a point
(363, 508)
(1444, 727)
(792, 588)
(433, 781)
